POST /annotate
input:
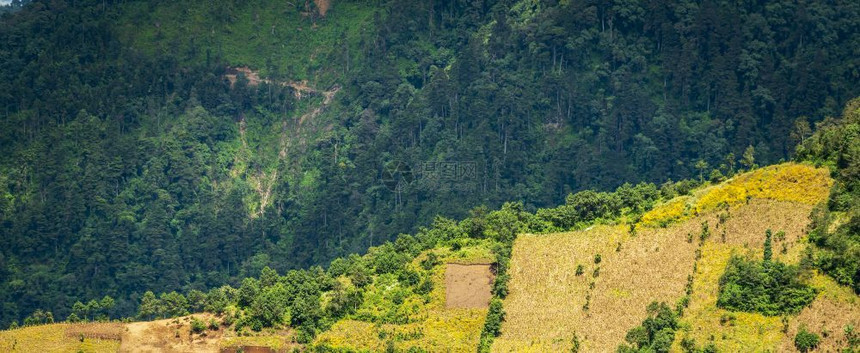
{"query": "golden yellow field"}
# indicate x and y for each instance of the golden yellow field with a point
(791, 182)
(785, 182)
(58, 338)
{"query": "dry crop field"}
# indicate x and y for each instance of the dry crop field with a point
(97, 337)
(549, 303)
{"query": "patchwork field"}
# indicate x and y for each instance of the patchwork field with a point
(559, 289)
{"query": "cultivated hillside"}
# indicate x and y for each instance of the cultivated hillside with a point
(185, 145)
(678, 251)
(594, 284)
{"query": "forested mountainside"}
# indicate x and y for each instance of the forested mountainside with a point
(151, 145)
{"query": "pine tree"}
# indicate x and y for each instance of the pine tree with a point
(748, 159)
(768, 250)
(148, 306)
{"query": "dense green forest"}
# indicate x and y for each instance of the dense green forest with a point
(130, 163)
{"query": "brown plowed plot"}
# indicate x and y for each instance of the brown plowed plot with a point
(467, 286)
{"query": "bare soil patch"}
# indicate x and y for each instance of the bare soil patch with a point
(171, 335)
(468, 286)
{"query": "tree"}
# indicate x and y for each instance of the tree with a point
(107, 304)
(656, 332)
(79, 310)
(93, 309)
(701, 165)
(801, 130)
(73, 318)
(248, 291)
(216, 301)
(748, 159)
(768, 287)
(768, 247)
(716, 176)
(268, 277)
(196, 300)
(269, 307)
(149, 307)
(174, 304)
(730, 162)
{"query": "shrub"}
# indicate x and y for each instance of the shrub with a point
(768, 247)
(688, 345)
(495, 316)
(770, 288)
(430, 261)
(656, 332)
(806, 341)
(852, 338)
(197, 325)
(574, 344)
(706, 232)
(425, 287)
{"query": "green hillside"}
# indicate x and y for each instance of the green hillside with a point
(550, 291)
(180, 147)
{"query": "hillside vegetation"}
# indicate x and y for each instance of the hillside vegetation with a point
(130, 162)
(587, 288)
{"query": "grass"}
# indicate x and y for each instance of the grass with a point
(56, 338)
(430, 325)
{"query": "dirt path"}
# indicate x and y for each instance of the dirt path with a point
(300, 88)
(468, 286)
